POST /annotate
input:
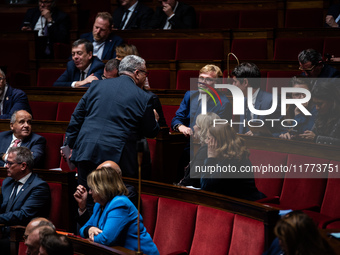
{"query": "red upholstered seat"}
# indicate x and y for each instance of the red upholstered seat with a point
(65, 110)
(274, 81)
(56, 204)
(302, 18)
(330, 208)
(47, 76)
(22, 248)
(289, 48)
(247, 236)
(11, 21)
(178, 220)
(263, 78)
(300, 190)
(258, 19)
(61, 50)
(218, 19)
(246, 49)
(155, 49)
(334, 225)
(213, 231)
(159, 79)
(268, 183)
(149, 212)
(169, 112)
(52, 153)
(331, 46)
(184, 79)
(199, 49)
(44, 110)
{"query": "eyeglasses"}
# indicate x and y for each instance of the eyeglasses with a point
(11, 163)
(103, 77)
(307, 70)
(145, 72)
(205, 80)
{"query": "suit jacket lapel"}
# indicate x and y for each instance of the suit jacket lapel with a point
(23, 189)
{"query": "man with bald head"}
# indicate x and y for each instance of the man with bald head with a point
(37, 233)
(81, 194)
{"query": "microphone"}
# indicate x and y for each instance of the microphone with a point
(228, 59)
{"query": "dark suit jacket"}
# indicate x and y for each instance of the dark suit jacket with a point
(72, 73)
(190, 108)
(59, 31)
(139, 18)
(158, 107)
(34, 142)
(111, 43)
(33, 200)
(111, 116)
(184, 18)
(15, 100)
(263, 101)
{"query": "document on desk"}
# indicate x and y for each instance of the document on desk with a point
(67, 152)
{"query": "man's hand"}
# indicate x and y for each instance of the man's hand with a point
(88, 79)
(26, 28)
(156, 115)
(309, 135)
(63, 155)
(93, 231)
(167, 10)
(331, 22)
(185, 130)
(212, 147)
(47, 14)
(285, 136)
(250, 133)
(80, 196)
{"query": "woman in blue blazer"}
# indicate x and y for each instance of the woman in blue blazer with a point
(114, 218)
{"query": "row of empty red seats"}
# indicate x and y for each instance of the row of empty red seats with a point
(244, 49)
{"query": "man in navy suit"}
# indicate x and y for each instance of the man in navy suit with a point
(190, 106)
(24, 195)
(104, 41)
(83, 68)
(21, 135)
(248, 75)
(132, 14)
(11, 99)
(109, 120)
(51, 23)
(173, 14)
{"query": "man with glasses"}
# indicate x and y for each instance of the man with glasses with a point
(191, 104)
(109, 120)
(312, 65)
(24, 195)
(21, 135)
(111, 69)
(51, 23)
(11, 99)
(83, 68)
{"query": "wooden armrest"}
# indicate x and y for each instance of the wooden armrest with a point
(273, 200)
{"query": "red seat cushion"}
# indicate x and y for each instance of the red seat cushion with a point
(175, 225)
(213, 231)
(44, 110)
(199, 49)
(246, 49)
(159, 79)
(218, 19)
(47, 76)
(184, 79)
(302, 18)
(258, 19)
(268, 183)
(279, 79)
(52, 154)
(155, 49)
(56, 205)
(149, 212)
(247, 236)
(65, 110)
(169, 112)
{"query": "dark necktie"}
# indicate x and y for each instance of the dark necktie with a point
(82, 75)
(14, 194)
(126, 14)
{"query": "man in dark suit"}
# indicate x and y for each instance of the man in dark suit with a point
(313, 67)
(21, 135)
(83, 68)
(51, 23)
(173, 14)
(132, 14)
(11, 99)
(248, 75)
(103, 40)
(109, 120)
(24, 195)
